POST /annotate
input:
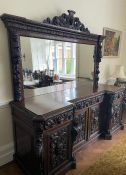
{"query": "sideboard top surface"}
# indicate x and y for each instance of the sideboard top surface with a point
(52, 98)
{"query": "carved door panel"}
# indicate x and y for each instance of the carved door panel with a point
(93, 121)
(57, 148)
(116, 115)
(80, 125)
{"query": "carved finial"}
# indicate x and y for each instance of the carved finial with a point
(71, 12)
(68, 21)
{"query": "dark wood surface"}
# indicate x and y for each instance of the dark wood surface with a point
(51, 98)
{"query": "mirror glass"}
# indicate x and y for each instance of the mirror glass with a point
(49, 62)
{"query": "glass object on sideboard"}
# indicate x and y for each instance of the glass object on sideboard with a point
(121, 80)
(120, 75)
(117, 76)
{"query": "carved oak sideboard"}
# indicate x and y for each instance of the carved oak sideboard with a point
(46, 140)
(51, 127)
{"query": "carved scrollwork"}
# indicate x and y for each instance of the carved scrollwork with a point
(68, 21)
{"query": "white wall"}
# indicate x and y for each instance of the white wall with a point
(6, 135)
(85, 61)
(95, 14)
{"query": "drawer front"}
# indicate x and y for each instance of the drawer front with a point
(57, 119)
(88, 102)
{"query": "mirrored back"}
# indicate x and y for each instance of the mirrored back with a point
(49, 62)
(58, 59)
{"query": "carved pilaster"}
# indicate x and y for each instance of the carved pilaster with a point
(97, 59)
(106, 116)
(16, 65)
(111, 113)
(38, 144)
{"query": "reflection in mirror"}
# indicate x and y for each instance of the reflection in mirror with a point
(49, 62)
(85, 61)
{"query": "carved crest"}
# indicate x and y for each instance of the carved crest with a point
(68, 21)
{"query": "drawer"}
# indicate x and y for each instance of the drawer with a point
(84, 103)
(57, 119)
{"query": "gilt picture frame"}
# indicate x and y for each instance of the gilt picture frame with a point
(112, 43)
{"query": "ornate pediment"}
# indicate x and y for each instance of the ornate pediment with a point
(68, 21)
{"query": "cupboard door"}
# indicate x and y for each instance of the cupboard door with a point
(57, 148)
(93, 121)
(116, 115)
(80, 125)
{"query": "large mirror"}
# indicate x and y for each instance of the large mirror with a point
(49, 62)
(35, 55)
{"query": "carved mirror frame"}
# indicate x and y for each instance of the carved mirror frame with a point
(63, 28)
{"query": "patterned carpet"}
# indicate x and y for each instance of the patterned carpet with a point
(111, 163)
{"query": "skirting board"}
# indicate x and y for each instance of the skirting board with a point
(4, 104)
(6, 153)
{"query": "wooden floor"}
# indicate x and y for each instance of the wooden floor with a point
(85, 158)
